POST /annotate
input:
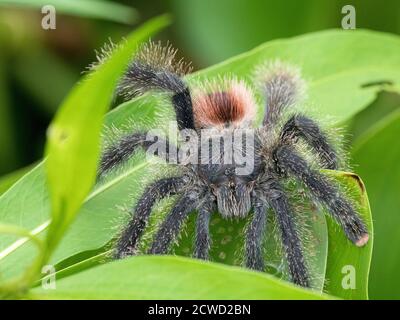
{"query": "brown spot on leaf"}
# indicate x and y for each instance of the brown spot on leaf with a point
(377, 83)
(357, 179)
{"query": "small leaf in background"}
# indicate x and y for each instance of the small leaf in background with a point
(344, 257)
(377, 156)
(166, 277)
(105, 10)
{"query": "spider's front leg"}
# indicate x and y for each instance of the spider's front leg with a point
(325, 192)
(255, 232)
(279, 203)
(203, 240)
(172, 224)
(130, 236)
(303, 127)
(126, 147)
(290, 240)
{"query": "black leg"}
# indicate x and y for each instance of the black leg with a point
(128, 241)
(279, 203)
(127, 146)
(203, 239)
(182, 103)
(254, 238)
(325, 192)
(171, 226)
(283, 87)
(155, 68)
(301, 126)
(291, 241)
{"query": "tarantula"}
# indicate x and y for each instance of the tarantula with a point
(207, 186)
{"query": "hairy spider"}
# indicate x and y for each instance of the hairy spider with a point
(206, 186)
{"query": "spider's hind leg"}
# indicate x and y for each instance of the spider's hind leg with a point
(282, 86)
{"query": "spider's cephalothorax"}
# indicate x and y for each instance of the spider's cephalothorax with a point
(244, 179)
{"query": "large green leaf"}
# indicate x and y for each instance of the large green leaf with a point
(150, 278)
(105, 10)
(9, 179)
(377, 158)
(350, 60)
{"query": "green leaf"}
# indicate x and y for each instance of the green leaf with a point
(75, 132)
(74, 135)
(349, 59)
(344, 70)
(377, 158)
(146, 277)
(229, 243)
(381, 108)
(105, 10)
(9, 286)
(9, 179)
(348, 265)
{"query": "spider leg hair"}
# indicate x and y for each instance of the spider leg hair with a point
(160, 189)
(325, 192)
(304, 127)
(254, 257)
(154, 68)
(126, 147)
(202, 242)
(276, 198)
(282, 86)
(172, 224)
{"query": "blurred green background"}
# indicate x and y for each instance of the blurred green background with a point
(38, 67)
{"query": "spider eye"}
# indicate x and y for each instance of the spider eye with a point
(228, 171)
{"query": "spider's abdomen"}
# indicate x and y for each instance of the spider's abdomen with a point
(230, 104)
